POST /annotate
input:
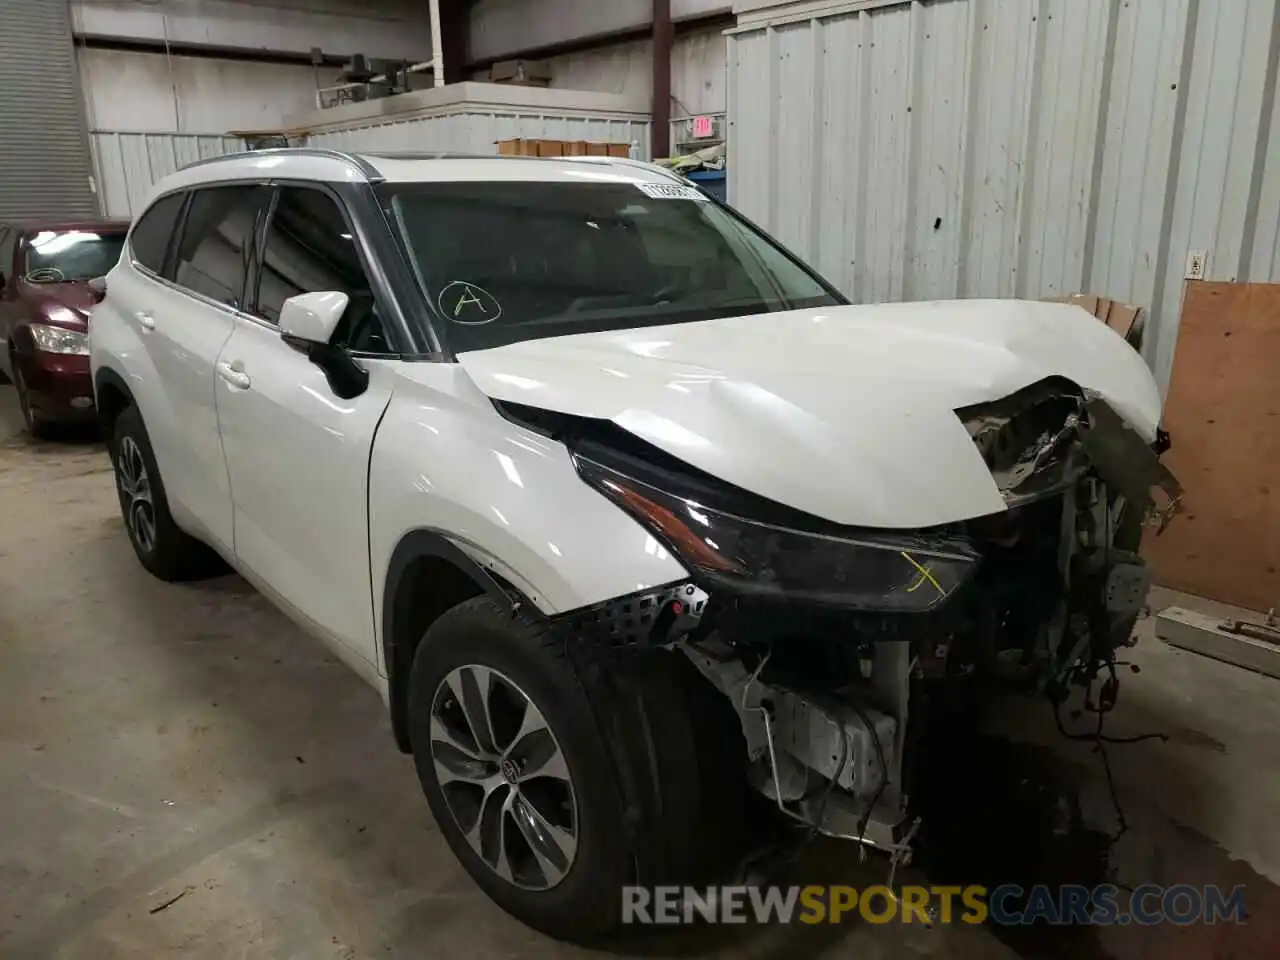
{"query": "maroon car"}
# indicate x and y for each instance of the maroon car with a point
(45, 298)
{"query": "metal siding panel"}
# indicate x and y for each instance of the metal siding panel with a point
(751, 179)
(1073, 43)
(938, 162)
(48, 168)
(834, 203)
(886, 50)
(1139, 147)
(793, 106)
(1229, 259)
(999, 135)
(698, 71)
(129, 164)
(1264, 263)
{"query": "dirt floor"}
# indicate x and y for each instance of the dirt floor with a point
(183, 772)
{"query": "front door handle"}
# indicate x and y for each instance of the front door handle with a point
(147, 319)
(234, 374)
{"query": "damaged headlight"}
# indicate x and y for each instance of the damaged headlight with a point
(872, 570)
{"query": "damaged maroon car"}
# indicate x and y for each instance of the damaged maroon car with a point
(45, 299)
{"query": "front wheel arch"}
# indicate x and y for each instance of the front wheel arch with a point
(428, 575)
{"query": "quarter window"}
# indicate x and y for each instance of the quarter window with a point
(152, 233)
(217, 240)
(310, 247)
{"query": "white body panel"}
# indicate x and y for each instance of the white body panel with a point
(165, 345)
(298, 460)
(846, 413)
(444, 460)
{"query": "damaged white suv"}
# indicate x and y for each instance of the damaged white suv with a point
(627, 513)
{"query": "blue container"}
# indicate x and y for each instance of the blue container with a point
(712, 181)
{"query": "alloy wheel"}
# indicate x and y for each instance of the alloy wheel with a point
(135, 487)
(504, 777)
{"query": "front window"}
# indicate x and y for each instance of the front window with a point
(518, 260)
(60, 256)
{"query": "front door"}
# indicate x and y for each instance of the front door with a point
(297, 454)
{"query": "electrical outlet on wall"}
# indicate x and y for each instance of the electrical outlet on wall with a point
(1196, 264)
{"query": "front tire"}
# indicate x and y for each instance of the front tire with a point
(161, 546)
(516, 773)
(36, 427)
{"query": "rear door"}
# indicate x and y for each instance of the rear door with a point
(183, 307)
(297, 454)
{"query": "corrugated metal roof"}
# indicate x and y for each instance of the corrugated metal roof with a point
(1016, 147)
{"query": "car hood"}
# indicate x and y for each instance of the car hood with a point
(846, 412)
(64, 304)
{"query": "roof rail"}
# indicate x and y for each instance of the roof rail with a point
(360, 163)
(643, 165)
(371, 172)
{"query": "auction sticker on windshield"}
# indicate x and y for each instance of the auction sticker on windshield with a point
(671, 191)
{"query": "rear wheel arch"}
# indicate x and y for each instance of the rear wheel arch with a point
(112, 397)
(428, 575)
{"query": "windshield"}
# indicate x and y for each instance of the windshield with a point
(64, 255)
(517, 260)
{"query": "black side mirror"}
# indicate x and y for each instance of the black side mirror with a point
(346, 377)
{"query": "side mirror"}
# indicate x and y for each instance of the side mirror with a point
(312, 317)
(98, 286)
(307, 322)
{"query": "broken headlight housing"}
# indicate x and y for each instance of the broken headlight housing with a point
(874, 571)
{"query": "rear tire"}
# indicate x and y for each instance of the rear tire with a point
(161, 546)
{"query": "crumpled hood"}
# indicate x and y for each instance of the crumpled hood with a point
(846, 413)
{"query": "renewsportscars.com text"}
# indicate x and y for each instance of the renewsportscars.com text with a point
(1007, 905)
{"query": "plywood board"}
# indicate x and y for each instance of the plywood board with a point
(1223, 413)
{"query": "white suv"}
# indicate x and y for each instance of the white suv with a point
(628, 514)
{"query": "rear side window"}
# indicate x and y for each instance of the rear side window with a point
(217, 240)
(151, 235)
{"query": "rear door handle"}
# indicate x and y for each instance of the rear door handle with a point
(147, 319)
(234, 374)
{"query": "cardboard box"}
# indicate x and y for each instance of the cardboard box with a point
(1123, 318)
(561, 148)
(519, 148)
(524, 73)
